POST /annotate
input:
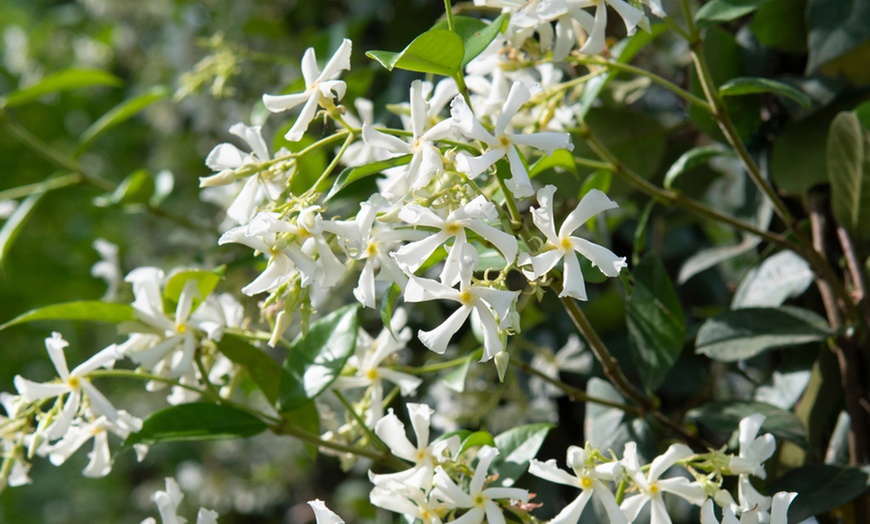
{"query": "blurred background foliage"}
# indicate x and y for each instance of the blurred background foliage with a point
(207, 63)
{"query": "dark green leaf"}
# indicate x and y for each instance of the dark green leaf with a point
(600, 180)
(196, 421)
(315, 361)
(863, 113)
(749, 86)
(15, 223)
(726, 10)
(137, 188)
(744, 333)
(655, 321)
(437, 51)
(83, 310)
(724, 416)
(263, 370)
(516, 448)
(62, 81)
(388, 306)
(475, 33)
(121, 113)
(690, 159)
(836, 27)
(782, 276)
(352, 174)
(798, 158)
(305, 417)
(821, 488)
(849, 173)
(780, 24)
(206, 281)
(707, 258)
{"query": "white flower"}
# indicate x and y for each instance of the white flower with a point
(572, 357)
(492, 307)
(320, 89)
(168, 502)
(406, 500)
(564, 244)
(502, 143)
(778, 513)
(80, 432)
(650, 487)
(322, 514)
(108, 268)
(589, 476)
(753, 450)
(480, 503)
(74, 384)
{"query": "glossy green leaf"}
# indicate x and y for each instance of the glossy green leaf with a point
(707, 258)
(717, 11)
(517, 446)
(305, 417)
(15, 223)
(609, 428)
(206, 281)
(262, 368)
(352, 174)
(750, 86)
(821, 488)
(744, 333)
(691, 159)
(476, 439)
(655, 321)
(388, 306)
(600, 180)
(863, 113)
(724, 416)
(62, 81)
(849, 173)
(780, 24)
(196, 421)
(798, 160)
(475, 33)
(121, 113)
(437, 51)
(93, 310)
(560, 159)
(316, 360)
(836, 27)
(778, 278)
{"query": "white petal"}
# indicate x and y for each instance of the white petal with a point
(278, 103)
(100, 464)
(573, 284)
(683, 488)
(519, 183)
(340, 61)
(391, 430)
(671, 456)
(253, 136)
(546, 141)
(595, 43)
(630, 15)
(601, 257)
(295, 133)
(551, 472)
(475, 165)
(225, 156)
(592, 203)
(322, 514)
(376, 138)
(438, 338)
(518, 95)
(570, 514)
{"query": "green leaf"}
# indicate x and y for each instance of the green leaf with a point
(849, 173)
(81, 310)
(863, 113)
(707, 258)
(315, 361)
(475, 33)
(609, 428)
(717, 11)
(517, 446)
(137, 188)
(121, 113)
(836, 27)
(388, 306)
(454, 379)
(476, 439)
(751, 85)
(437, 51)
(15, 223)
(691, 159)
(206, 281)
(780, 277)
(352, 174)
(744, 333)
(305, 417)
(655, 321)
(62, 81)
(821, 488)
(724, 416)
(196, 421)
(797, 160)
(262, 368)
(600, 179)
(780, 25)
(560, 159)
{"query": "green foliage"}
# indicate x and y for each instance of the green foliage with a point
(62, 81)
(724, 416)
(689, 160)
(352, 174)
(262, 369)
(196, 421)
(748, 86)
(822, 488)
(92, 310)
(517, 446)
(849, 173)
(437, 51)
(717, 11)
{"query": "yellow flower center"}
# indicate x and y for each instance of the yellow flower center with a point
(372, 374)
(654, 489)
(466, 297)
(504, 141)
(585, 482)
(74, 383)
(452, 228)
(565, 243)
(181, 328)
(371, 249)
(479, 500)
(303, 233)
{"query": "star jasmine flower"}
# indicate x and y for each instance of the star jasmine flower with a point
(407, 500)
(650, 487)
(168, 502)
(479, 501)
(572, 357)
(492, 307)
(426, 158)
(501, 143)
(590, 477)
(778, 513)
(753, 450)
(471, 216)
(424, 455)
(80, 432)
(630, 15)
(73, 384)
(322, 514)
(562, 246)
(321, 89)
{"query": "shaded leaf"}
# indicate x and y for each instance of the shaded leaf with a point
(780, 24)
(797, 160)
(316, 360)
(749, 86)
(137, 188)
(475, 33)
(15, 223)
(609, 428)
(724, 416)
(352, 174)
(81, 310)
(836, 27)
(821, 488)
(121, 113)
(707, 258)
(437, 51)
(454, 379)
(476, 439)
(261, 367)
(655, 321)
(196, 421)
(517, 446)
(388, 306)
(744, 333)
(726, 10)
(849, 173)
(781, 276)
(690, 159)
(62, 81)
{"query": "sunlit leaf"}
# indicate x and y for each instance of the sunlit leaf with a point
(781, 276)
(724, 416)
(121, 113)
(206, 281)
(62, 81)
(475, 33)
(352, 174)
(437, 51)
(726, 10)
(517, 446)
(93, 310)
(849, 173)
(15, 223)
(263, 369)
